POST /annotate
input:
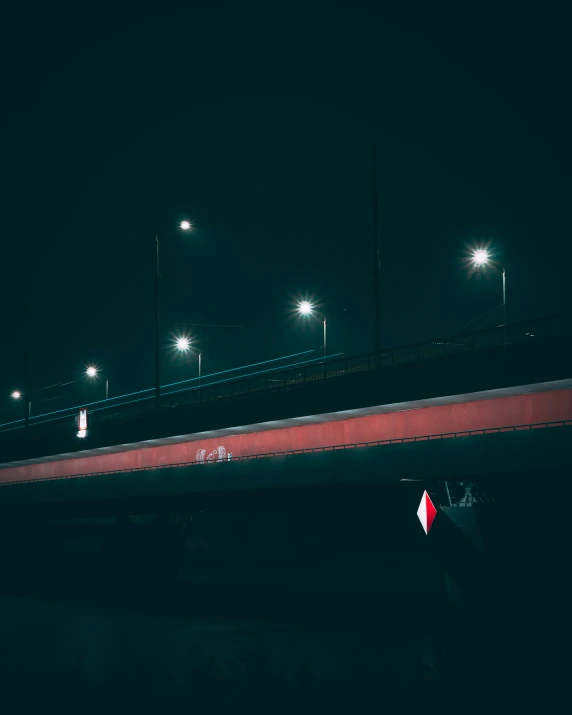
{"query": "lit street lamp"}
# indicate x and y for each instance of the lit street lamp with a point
(305, 308)
(17, 395)
(183, 345)
(184, 226)
(481, 258)
(93, 372)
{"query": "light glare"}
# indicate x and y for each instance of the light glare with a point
(91, 372)
(16, 395)
(185, 225)
(183, 344)
(480, 257)
(305, 308)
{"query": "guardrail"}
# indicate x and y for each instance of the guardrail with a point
(278, 379)
(309, 450)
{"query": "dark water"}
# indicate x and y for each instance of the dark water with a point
(55, 650)
(313, 604)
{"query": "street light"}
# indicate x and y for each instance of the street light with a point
(480, 258)
(183, 344)
(184, 226)
(16, 395)
(305, 308)
(93, 372)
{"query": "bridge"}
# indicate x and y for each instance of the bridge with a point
(277, 481)
(467, 409)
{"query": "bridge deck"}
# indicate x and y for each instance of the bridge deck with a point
(521, 354)
(453, 415)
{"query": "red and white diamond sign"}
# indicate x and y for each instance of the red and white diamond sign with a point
(426, 512)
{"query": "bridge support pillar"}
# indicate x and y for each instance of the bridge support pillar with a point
(464, 553)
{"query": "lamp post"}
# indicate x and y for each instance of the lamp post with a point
(504, 295)
(157, 357)
(184, 226)
(481, 258)
(183, 345)
(17, 395)
(27, 403)
(305, 308)
(92, 372)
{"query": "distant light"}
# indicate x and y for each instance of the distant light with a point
(480, 257)
(186, 225)
(82, 433)
(183, 344)
(91, 372)
(16, 395)
(305, 308)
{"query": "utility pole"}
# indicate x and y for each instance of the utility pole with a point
(503, 296)
(376, 258)
(184, 226)
(27, 364)
(157, 348)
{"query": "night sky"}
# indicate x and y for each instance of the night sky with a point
(256, 122)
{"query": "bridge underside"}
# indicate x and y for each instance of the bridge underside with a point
(495, 461)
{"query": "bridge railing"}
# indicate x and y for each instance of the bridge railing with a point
(279, 379)
(497, 338)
